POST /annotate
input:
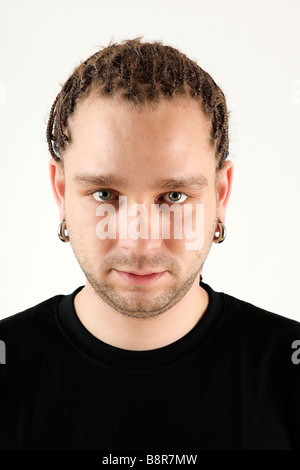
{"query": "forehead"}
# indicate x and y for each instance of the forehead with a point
(179, 114)
(165, 136)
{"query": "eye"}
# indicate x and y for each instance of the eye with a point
(176, 196)
(102, 195)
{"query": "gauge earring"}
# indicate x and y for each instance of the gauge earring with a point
(61, 232)
(222, 233)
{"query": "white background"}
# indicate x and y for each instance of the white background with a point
(251, 49)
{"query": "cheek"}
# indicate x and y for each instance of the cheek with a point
(81, 218)
(202, 222)
(210, 209)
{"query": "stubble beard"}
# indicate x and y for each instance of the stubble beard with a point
(133, 303)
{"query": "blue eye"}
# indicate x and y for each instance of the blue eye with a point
(173, 196)
(176, 196)
(103, 195)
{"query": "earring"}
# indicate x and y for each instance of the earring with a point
(61, 232)
(222, 233)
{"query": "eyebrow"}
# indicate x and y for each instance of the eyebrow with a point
(111, 180)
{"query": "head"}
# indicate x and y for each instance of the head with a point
(129, 118)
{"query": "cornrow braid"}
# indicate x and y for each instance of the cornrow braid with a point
(139, 73)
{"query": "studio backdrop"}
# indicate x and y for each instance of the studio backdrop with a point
(250, 48)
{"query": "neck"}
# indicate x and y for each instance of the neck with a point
(138, 334)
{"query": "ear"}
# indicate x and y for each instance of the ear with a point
(224, 187)
(57, 179)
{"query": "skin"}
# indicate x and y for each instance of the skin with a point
(141, 146)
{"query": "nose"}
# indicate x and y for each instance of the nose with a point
(138, 228)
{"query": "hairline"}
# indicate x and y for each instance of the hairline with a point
(118, 99)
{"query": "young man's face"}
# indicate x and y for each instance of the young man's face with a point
(139, 148)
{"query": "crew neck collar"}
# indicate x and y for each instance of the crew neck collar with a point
(104, 353)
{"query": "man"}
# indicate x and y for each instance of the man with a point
(145, 355)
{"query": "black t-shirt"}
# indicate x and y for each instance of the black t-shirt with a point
(232, 382)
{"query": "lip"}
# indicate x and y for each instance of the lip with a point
(140, 273)
(140, 279)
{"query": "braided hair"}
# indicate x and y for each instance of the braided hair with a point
(139, 73)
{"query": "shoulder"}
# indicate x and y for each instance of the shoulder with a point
(254, 339)
(251, 314)
(29, 319)
(259, 329)
(29, 336)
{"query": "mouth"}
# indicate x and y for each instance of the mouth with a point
(140, 278)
